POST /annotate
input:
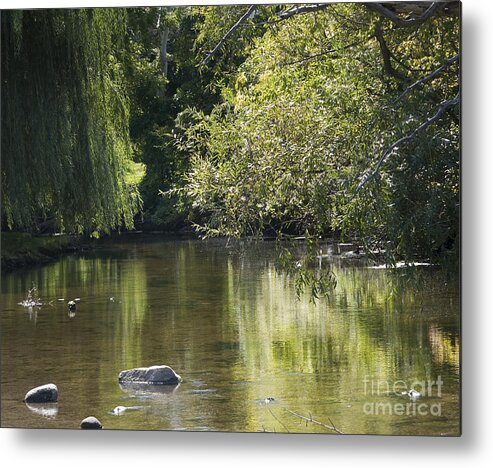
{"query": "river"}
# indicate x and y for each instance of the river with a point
(252, 354)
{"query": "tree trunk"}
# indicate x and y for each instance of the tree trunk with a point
(163, 51)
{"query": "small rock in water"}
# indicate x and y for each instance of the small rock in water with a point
(43, 394)
(90, 423)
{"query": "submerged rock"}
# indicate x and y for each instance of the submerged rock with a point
(43, 394)
(91, 423)
(155, 375)
(118, 410)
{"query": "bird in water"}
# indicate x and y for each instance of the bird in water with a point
(72, 304)
(118, 410)
(413, 394)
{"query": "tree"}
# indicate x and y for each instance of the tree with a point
(66, 152)
(163, 80)
(342, 118)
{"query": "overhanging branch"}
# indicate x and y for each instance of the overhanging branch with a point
(401, 22)
(285, 14)
(445, 106)
(302, 9)
(429, 77)
(325, 52)
(249, 12)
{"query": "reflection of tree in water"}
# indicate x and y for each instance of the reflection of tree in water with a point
(374, 322)
(444, 346)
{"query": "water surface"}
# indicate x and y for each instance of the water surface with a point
(233, 327)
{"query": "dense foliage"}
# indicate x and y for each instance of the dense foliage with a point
(163, 81)
(296, 144)
(66, 151)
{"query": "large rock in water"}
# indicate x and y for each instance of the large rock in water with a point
(43, 394)
(154, 375)
(90, 423)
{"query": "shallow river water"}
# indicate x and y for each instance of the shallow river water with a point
(253, 356)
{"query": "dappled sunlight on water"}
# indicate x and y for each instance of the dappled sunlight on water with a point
(253, 356)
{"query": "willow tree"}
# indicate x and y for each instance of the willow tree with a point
(66, 150)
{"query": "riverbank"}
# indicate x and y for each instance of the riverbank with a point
(22, 249)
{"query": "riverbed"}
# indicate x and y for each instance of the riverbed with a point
(254, 356)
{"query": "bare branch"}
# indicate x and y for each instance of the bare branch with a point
(278, 420)
(386, 54)
(314, 421)
(445, 106)
(325, 52)
(347, 18)
(285, 14)
(241, 22)
(404, 23)
(429, 77)
(249, 12)
(302, 9)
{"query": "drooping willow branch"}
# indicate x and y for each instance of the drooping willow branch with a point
(445, 106)
(65, 121)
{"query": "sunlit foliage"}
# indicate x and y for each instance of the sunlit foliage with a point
(296, 142)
